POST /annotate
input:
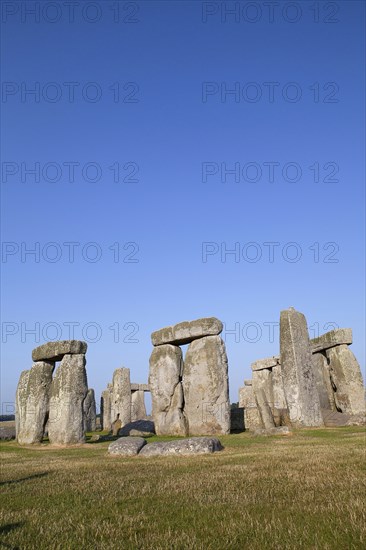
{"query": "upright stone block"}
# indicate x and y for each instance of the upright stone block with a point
(138, 409)
(206, 387)
(106, 408)
(323, 381)
(252, 420)
(90, 412)
(36, 403)
(121, 396)
(278, 390)
(21, 405)
(68, 392)
(165, 374)
(347, 378)
(297, 372)
(264, 408)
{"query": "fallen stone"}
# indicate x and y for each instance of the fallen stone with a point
(166, 365)
(35, 403)
(280, 430)
(54, 351)
(68, 391)
(297, 370)
(330, 339)
(138, 428)
(206, 387)
(193, 445)
(126, 446)
(187, 331)
(346, 376)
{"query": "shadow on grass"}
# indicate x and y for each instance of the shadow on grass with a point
(7, 528)
(10, 482)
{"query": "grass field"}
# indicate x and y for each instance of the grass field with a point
(306, 490)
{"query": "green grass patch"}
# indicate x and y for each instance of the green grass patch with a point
(306, 490)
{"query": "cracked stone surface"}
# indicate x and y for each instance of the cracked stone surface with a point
(166, 364)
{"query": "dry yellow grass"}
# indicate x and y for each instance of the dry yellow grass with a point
(302, 491)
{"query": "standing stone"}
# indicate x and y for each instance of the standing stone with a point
(347, 378)
(264, 408)
(165, 374)
(297, 373)
(37, 403)
(138, 409)
(323, 381)
(90, 413)
(121, 396)
(263, 393)
(252, 419)
(21, 404)
(68, 392)
(278, 390)
(106, 408)
(206, 387)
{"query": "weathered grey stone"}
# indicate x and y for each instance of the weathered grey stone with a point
(138, 427)
(323, 381)
(54, 351)
(21, 403)
(106, 408)
(330, 339)
(248, 382)
(346, 376)
(68, 391)
(264, 407)
(121, 395)
(140, 387)
(297, 372)
(278, 391)
(138, 409)
(126, 446)
(193, 445)
(335, 419)
(165, 374)
(251, 414)
(36, 398)
(206, 387)
(280, 430)
(90, 412)
(187, 331)
(266, 363)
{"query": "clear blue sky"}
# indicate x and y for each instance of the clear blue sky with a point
(148, 96)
